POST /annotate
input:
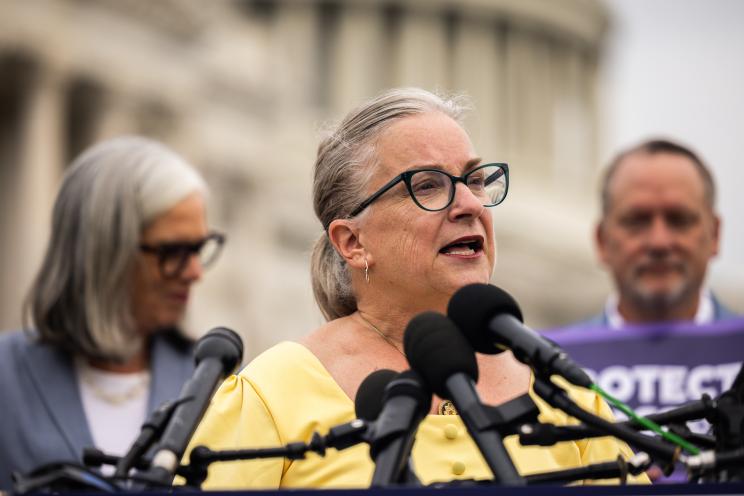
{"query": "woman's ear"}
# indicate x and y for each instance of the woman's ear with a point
(344, 236)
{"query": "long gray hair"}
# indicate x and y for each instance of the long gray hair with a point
(344, 165)
(80, 298)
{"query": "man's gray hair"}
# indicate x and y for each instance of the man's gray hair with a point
(344, 165)
(80, 299)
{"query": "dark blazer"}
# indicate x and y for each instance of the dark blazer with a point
(720, 312)
(42, 418)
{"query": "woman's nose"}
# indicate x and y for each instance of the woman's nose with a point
(465, 203)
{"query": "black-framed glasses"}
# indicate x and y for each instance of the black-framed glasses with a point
(434, 190)
(174, 257)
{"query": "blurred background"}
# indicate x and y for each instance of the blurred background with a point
(245, 88)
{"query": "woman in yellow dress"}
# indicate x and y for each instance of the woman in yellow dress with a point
(407, 222)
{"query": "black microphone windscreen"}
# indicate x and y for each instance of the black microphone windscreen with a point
(369, 398)
(223, 344)
(473, 306)
(410, 383)
(436, 349)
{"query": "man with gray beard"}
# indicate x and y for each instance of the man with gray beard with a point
(657, 234)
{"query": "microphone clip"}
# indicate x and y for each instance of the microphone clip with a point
(508, 417)
(150, 432)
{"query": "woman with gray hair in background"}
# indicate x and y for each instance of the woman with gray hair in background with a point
(129, 238)
(404, 202)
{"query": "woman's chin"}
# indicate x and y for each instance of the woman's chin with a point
(480, 275)
(464, 279)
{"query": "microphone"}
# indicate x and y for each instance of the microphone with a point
(369, 398)
(492, 322)
(440, 353)
(368, 404)
(217, 354)
(405, 401)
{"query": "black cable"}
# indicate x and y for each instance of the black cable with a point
(558, 398)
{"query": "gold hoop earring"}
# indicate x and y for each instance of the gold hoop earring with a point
(366, 270)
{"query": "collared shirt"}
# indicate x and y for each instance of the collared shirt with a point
(705, 312)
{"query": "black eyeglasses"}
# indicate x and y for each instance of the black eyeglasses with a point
(174, 257)
(434, 190)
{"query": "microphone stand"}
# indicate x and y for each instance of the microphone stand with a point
(405, 403)
(665, 454)
(339, 437)
(201, 457)
(60, 477)
(493, 423)
(151, 431)
(540, 434)
(726, 463)
(716, 463)
(95, 458)
(507, 417)
(548, 434)
(619, 469)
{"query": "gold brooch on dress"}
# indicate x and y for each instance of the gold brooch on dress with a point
(446, 407)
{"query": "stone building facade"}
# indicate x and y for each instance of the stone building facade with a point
(243, 89)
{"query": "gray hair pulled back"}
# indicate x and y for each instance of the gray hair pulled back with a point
(345, 162)
(80, 299)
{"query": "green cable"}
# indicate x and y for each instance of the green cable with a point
(648, 424)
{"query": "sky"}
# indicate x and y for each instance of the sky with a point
(675, 68)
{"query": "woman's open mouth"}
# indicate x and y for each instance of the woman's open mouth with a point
(467, 246)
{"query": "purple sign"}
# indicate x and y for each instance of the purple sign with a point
(653, 368)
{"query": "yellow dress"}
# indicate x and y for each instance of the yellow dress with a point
(286, 394)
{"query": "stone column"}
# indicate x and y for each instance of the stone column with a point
(478, 70)
(295, 76)
(421, 54)
(358, 67)
(530, 106)
(117, 117)
(574, 129)
(32, 196)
